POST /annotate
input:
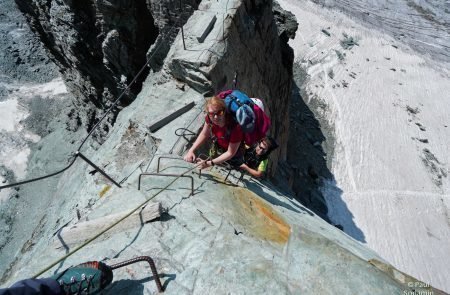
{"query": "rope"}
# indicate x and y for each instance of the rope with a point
(111, 226)
(115, 104)
(123, 92)
(93, 128)
(41, 177)
(79, 148)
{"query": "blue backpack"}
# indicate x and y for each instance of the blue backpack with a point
(240, 106)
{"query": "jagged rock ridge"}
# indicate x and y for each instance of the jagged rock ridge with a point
(99, 47)
(252, 239)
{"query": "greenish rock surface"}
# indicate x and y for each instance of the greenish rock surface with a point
(248, 238)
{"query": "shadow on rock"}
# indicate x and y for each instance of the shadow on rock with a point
(256, 188)
(340, 211)
(136, 287)
(305, 174)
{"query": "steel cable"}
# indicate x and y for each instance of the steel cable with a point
(92, 130)
(41, 177)
(112, 225)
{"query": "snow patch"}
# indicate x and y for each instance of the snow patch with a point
(16, 160)
(17, 33)
(389, 111)
(14, 153)
(51, 89)
(4, 193)
(11, 114)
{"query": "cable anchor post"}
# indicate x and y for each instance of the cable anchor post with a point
(78, 153)
(181, 25)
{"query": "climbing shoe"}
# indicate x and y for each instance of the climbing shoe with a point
(86, 278)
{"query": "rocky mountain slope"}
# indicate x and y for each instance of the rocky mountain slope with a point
(372, 74)
(251, 238)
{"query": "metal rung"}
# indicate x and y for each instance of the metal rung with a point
(240, 177)
(152, 267)
(173, 175)
(167, 157)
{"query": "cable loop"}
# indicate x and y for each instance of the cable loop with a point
(185, 132)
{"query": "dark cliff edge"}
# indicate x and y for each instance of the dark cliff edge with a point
(99, 47)
(215, 237)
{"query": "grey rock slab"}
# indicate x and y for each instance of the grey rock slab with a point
(248, 239)
(295, 251)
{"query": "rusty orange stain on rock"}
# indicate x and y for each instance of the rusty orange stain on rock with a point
(104, 190)
(258, 217)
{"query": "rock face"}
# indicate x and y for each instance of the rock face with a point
(219, 238)
(32, 95)
(99, 47)
(169, 16)
(249, 47)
